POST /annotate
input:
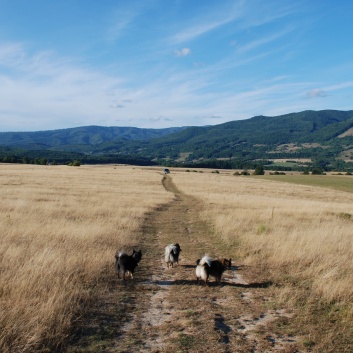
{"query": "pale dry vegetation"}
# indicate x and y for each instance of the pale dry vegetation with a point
(300, 235)
(60, 227)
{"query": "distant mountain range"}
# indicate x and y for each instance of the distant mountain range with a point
(324, 138)
(77, 139)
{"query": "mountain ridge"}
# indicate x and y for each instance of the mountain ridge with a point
(315, 135)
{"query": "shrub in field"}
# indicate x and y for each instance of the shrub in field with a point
(75, 163)
(259, 170)
(277, 173)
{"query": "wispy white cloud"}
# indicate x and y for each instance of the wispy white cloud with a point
(264, 40)
(245, 14)
(11, 54)
(120, 20)
(314, 93)
(182, 52)
(339, 86)
(41, 87)
(200, 26)
(259, 13)
(324, 92)
(160, 119)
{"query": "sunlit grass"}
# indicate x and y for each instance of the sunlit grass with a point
(60, 227)
(299, 229)
(338, 182)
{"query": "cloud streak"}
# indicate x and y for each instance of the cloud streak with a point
(315, 93)
(183, 52)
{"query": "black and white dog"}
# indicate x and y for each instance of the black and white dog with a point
(171, 254)
(207, 267)
(127, 263)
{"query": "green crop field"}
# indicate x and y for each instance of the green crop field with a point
(339, 182)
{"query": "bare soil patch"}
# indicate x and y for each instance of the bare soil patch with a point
(165, 310)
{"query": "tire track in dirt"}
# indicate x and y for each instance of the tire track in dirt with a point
(164, 310)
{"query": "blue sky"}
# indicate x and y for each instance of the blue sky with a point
(164, 63)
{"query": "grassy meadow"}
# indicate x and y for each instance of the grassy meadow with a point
(303, 229)
(300, 236)
(333, 181)
(60, 227)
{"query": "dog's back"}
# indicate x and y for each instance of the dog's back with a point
(216, 270)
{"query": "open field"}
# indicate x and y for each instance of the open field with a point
(289, 290)
(60, 227)
(337, 182)
(301, 235)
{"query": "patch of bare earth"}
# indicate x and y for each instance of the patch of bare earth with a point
(166, 310)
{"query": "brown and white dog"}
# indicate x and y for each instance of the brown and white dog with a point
(207, 267)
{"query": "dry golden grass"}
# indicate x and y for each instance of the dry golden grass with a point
(300, 232)
(60, 227)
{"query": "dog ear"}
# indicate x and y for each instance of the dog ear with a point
(198, 261)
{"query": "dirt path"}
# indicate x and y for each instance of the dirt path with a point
(165, 310)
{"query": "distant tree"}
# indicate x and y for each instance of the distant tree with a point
(317, 171)
(259, 170)
(75, 163)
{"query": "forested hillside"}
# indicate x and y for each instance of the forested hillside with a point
(322, 139)
(80, 139)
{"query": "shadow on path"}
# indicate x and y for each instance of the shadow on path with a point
(183, 282)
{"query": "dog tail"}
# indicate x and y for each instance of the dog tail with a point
(118, 254)
(205, 260)
(203, 269)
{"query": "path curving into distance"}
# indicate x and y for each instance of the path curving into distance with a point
(165, 310)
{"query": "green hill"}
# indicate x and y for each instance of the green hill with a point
(79, 139)
(308, 138)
